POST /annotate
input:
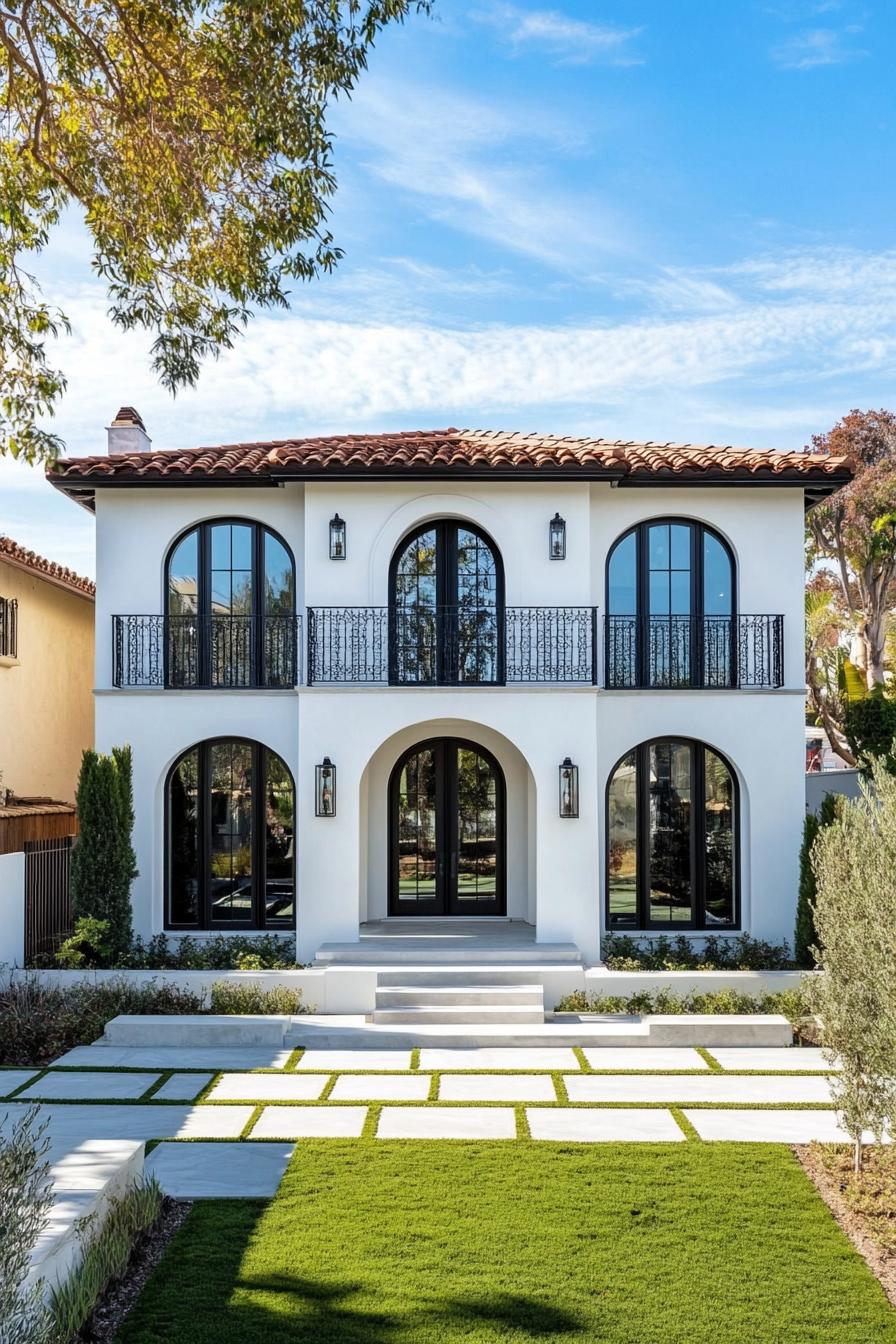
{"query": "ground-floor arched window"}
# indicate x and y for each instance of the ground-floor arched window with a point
(230, 838)
(672, 842)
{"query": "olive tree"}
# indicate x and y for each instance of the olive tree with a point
(24, 1208)
(854, 860)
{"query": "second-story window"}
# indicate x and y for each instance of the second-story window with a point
(230, 607)
(446, 607)
(671, 607)
(9, 627)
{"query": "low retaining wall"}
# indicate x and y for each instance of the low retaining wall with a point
(352, 989)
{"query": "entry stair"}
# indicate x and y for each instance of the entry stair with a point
(459, 997)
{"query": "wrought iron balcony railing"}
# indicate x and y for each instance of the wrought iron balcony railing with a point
(202, 652)
(451, 645)
(687, 652)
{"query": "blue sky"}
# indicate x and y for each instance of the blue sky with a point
(644, 220)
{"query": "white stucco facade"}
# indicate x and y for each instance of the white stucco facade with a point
(555, 867)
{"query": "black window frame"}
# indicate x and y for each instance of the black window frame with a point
(446, 530)
(698, 921)
(204, 614)
(642, 614)
(205, 924)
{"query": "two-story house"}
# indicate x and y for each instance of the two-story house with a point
(455, 676)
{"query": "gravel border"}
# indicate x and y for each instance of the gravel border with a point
(879, 1261)
(120, 1298)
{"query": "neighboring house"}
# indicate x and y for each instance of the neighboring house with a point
(46, 674)
(455, 674)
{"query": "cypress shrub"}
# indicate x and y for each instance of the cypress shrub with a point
(804, 937)
(103, 859)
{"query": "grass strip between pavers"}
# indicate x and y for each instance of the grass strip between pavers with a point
(405, 1242)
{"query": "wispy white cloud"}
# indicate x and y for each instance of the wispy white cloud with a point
(818, 46)
(567, 40)
(485, 170)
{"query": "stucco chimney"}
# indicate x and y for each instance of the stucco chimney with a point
(127, 434)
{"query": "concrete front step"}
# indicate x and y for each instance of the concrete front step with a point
(463, 977)
(425, 996)
(432, 951)
(466, 1013)
(344, 1030)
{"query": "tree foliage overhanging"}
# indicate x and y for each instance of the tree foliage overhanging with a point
(852, 559)
(193, 138)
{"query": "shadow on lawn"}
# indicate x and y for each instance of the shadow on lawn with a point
(313, 1311)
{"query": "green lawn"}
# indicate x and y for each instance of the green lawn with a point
(424, 1243)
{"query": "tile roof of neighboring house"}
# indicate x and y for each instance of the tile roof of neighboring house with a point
(462, 453)
(17, 555)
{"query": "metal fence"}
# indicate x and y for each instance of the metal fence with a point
(193, 652)
(48, 910)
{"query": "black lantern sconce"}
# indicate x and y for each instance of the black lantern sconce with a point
(557, 538)
(337, 538)
(569, 789)
(325, 789)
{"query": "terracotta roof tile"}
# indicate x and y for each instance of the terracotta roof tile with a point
(17, 555)
(448, 451)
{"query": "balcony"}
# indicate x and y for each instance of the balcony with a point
(206, 652)
(451, 646)
(693, 652)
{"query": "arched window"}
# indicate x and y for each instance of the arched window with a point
(671, 607)
(230, 838)
(672, 843)
(230, 607)
(446, 608)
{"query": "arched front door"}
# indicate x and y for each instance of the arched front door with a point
(446, 809)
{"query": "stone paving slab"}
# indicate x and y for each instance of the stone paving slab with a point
(496, 1087)
(90, 1086)
(499, 1057)
(230, 1059)
(593, 1126)
(339, 1060)
(10, 1079)
(642, 1061)
(69, 1125)
(310, 1122)
(183, 1086)
(381, 1087)
(267, 1087)
(219, 1170)
(446, 1122)
(796, 1059)
(770, 1126)
(707, 1087)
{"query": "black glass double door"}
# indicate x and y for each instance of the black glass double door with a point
(447, 831)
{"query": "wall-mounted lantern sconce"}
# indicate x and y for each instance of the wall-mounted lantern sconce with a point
(325, 789)
(557, 538)
(569, 789)
(337, 538)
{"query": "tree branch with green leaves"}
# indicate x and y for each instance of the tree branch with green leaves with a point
(194, 139)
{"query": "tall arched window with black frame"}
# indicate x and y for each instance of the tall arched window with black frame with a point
(671, 607)
(230, 607)
(672, 839)
(230, 838)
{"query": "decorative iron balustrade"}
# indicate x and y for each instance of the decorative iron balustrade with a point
(9, 627)
(687, 652)
(456, 645)
(206, 652)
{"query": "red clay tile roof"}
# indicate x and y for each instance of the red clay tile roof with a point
(17, 555)
(453, 452)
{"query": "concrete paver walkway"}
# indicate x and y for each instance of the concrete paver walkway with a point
(552, 1094)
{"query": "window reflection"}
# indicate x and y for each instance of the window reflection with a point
(231, 829)
(671, 854)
